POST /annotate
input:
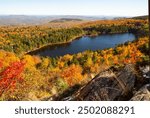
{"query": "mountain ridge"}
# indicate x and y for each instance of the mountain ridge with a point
(7, 20)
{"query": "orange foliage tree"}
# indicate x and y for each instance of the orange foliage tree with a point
(72, 74)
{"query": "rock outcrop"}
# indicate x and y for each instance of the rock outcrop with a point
(108, 86)
(143, 94)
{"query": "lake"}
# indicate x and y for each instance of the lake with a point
(85, 43)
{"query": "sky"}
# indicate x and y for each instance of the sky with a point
(74, 7)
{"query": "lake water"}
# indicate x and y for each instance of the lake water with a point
(85, 43)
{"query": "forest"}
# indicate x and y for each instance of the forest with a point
(26, 77)
(24, 39)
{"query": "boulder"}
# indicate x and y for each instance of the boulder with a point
(142, 94)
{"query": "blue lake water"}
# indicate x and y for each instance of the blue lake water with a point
(85, 43)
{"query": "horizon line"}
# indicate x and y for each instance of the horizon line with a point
(67, 15)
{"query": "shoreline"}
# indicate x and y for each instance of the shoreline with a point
(75, 38)
(52, 44)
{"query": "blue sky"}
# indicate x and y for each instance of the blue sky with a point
(74, 7)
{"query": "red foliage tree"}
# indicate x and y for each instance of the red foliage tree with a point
(10, 76)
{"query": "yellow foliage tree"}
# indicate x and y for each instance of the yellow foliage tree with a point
(45, 63)
(88, 62)
(30, 63)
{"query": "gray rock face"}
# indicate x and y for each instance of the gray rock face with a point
(108, 86)
(145, 71)
(143, 94)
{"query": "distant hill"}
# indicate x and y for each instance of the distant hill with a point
(22, 20)
(7, 20)
(141, 17)
(65, 20)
